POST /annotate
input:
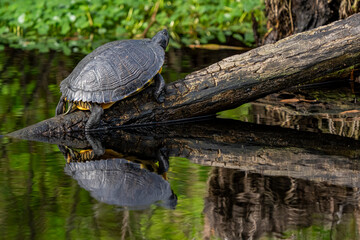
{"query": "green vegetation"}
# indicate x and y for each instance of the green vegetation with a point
(82, 25)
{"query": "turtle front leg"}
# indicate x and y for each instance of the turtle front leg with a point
(159, 88)
(95, 116)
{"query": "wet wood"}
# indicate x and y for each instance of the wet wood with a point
(232, 81)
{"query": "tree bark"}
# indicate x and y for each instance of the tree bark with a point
(287, 17)
(232, 81)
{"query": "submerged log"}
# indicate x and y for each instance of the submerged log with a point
(232, 81)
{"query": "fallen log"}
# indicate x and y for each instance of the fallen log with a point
(232, 81)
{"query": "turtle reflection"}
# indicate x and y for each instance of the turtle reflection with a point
(116, 179)
(123, 183)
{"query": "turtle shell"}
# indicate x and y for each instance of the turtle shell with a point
(114, 71)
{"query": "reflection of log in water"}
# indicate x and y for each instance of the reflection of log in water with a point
(216, 132)
(342, 125)
(276, 161)
(246, 206)
(233, 144)
(335, 111)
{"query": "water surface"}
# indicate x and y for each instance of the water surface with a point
(224, 179)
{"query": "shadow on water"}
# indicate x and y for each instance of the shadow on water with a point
(215, 178)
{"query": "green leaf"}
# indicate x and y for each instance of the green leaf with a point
(82, 22)
(66, 49)
(4, 29)
(238, 37)
(98, 21)
(43, 29)
(43, 48)
(221, 37)
(249, 37)
(65, 28)
(120, 31)
(102, 30)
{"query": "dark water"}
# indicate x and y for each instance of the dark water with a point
(215, 179)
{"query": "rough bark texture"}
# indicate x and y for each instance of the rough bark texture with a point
(234, 80)
(289, 17)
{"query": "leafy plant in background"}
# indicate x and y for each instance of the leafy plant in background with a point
(82, 25)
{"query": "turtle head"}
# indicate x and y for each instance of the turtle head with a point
(161, 38)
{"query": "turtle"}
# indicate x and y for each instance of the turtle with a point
(112, 72)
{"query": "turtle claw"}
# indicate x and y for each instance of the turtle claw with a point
(71, 108)
(160, 98)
